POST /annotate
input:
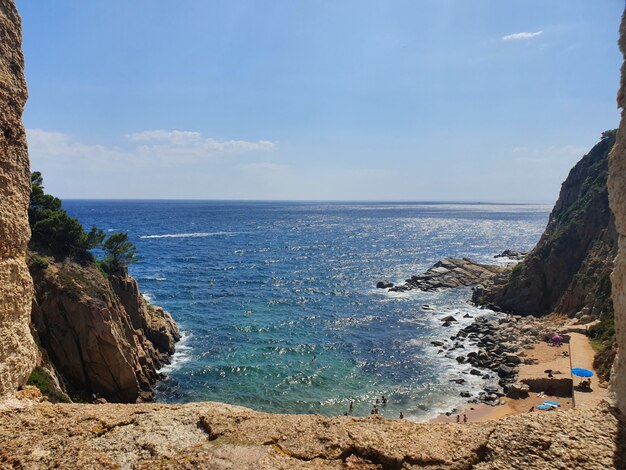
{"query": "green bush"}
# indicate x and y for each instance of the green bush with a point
(39, 378)
(38, 263)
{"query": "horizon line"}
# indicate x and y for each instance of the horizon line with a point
(400, 201)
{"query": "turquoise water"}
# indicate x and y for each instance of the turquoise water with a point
(278, 305)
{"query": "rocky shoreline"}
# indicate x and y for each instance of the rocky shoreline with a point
(498, 345)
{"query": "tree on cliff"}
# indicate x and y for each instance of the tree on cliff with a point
(53, 231)
(119, 253)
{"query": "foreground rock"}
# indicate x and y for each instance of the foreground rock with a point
(18, 353)
(99, 332)
(617, 194)
(449, 273)
(218, 436)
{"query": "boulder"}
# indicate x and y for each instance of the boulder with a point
(384, 284)
(512, 359)
(517, 390)
(505, 371)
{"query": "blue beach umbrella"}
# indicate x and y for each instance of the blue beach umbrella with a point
(582, 372)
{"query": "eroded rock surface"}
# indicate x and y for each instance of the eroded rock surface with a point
(214, 435)
(617, 197)
(18, 352)
(449, 273)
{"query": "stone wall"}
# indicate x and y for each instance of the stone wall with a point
(617, 200)
(18, 352)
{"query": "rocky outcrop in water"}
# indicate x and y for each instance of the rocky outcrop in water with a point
(99, 332)
(449, 273)
(18, 353)
(569, 269)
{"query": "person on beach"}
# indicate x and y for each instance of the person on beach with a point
(384, 400)
(377, 401)
(458, 418)
(464, 418)
(401, 415)
(372, 412)
(532, 408)
(351, 406)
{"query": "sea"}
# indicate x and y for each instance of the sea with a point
(278, 305)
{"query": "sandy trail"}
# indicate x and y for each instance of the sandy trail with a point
(582, 356)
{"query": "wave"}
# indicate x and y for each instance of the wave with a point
(180, 356)
(189, 235)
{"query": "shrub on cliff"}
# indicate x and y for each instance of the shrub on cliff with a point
(119, 253)
(54, 231)
(57, 234)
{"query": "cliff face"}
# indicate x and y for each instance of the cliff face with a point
(617, 196)
(569, 268)
(100, 334)
(18, 353)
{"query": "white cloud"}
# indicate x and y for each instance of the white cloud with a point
(156, 146)
(551, 151)
(57, 144)
(196, 142)
(521, 36)
(175, 137)
(263, 167)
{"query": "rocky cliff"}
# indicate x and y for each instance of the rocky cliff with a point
(98, 331)
(617, 197)
(36, 434)
(568, 271)
(18, 353)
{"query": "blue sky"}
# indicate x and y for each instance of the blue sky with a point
(359, 100)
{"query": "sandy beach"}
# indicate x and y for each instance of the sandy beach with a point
(578, 352)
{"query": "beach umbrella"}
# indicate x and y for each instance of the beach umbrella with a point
(582, 372)
(557, 338)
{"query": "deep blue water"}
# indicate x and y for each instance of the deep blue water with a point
(278, 303)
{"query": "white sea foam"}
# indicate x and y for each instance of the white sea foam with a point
(147, 297)
(180, 356)
(189, 235)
